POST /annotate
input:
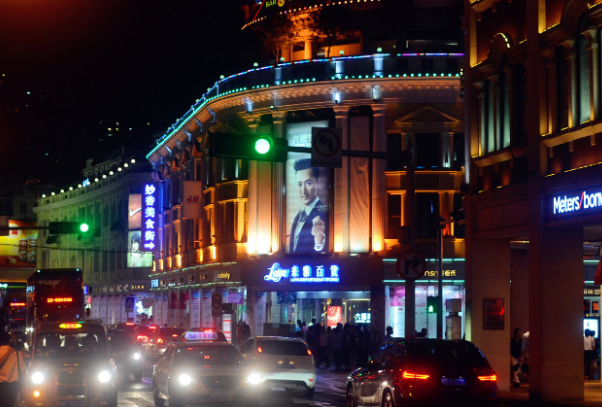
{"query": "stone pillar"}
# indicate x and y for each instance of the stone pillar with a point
(378, 310)
(410, 138)
(447, 150)
(556, 314)
(552, 92)
(256, 311)
(260, 179)
(594, 74)
(379, 144)
(341, 192)
(309, 47)
(573, 102)
(278, 220)
(487, 279)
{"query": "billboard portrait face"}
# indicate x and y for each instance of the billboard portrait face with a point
(307, 195)
(136, 257)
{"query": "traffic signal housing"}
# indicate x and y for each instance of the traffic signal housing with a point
(257, 147)
(67, 228)
(431, 304)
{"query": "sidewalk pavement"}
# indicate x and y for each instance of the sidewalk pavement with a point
(519, 397)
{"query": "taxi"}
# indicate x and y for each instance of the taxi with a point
(71, 367)
(202, 372)
(204, 334)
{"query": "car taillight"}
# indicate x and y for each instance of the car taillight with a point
(490, 378)
(412, 375)
(142, 338)
(259, 350)
(309, 352)
(159, 340)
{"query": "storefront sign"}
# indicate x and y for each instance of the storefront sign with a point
(203, 277)
(435, 273)
(224, 276)
(581, 201)
(154, 283)
(493, 313)
(591, 291)
(149, 225)
(303, 274)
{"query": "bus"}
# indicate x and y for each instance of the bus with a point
(54, 295)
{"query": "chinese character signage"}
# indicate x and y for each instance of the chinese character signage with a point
(303, 274)
(493, 313)
(150, 217)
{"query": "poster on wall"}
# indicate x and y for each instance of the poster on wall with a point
(136, 257)
(164, 307)
(195, 308)
(157, 310)
(206, 318)
(334, 315)
(260, 303)
(19, 248)
(307, 195)
(134, 211)
(493, 313)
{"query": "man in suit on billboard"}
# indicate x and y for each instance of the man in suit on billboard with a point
(309, 232)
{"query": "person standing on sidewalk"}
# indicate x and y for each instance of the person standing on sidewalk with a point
(10, 364)
(516, 355)
(589, 353)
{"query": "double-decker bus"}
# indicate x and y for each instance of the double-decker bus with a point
(54, 295)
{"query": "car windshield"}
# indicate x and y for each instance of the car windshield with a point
(279, 347)
(207, 356)
(72, 344)
(119, 340)
(448, 353)
(170, 332)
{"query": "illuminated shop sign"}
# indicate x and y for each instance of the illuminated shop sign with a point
(149, 217)
(154, 283)
(59, 300)
(303, 274)
(573, 203)
(17, 304)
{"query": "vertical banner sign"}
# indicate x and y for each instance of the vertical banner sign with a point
(103, 309)
(95, 307)
(195, 308)
(134, 211)
(191, 206)
(260, 303)
(164, 310)
(493, 313)
(117, 308)
(110, 319)
(207, 319)
(183, 308)
(157, 310)
(227, 326)
(150, 216)
(124, 314)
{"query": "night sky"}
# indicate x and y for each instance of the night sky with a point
(88, 64)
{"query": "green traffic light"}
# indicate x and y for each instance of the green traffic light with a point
(262, 146)
(84, 227)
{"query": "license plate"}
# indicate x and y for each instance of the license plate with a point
(453, 382)
(71, 403)
(221, 394)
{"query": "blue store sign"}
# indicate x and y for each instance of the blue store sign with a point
(303, 274)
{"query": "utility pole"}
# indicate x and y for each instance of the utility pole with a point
(410, 222)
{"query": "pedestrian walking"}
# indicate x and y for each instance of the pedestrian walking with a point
(589, 353)
(516, 353)
(10, 365)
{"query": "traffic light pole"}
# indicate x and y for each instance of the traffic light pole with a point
(442, 224)
(9, 228)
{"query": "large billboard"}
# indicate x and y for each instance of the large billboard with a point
(18, 249)
(134, 211)
(137, 257)
(307, 195)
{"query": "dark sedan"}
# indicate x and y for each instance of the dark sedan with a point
(126, 354)
(420, 370)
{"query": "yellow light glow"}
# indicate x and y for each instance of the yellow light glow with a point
(377, 246)
(199, 254)
(160, 264)
(179, 260)
(213, 253)
(169, 262)
(70, 325)
(36, 393)
(338, 245)
(154, 266)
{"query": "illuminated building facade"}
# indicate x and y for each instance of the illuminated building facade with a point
(533, 211)
(108, 198)
(234, 228)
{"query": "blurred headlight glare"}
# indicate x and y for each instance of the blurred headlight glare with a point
(254, 378)
(37, 377)
(137, 356)
(185, 379)
(104, 376)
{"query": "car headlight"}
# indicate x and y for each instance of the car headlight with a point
(185, 379)
(137, 356)
(104, 376)
(37, 377)
(254, 378)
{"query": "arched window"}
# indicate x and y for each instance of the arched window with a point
(583, 70)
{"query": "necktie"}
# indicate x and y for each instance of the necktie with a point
(302, 216)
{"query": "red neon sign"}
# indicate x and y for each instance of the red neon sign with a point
(59, 300)
(17, 304)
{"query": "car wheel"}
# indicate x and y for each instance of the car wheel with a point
(309, 391)
(351, 402)
(388, 399)
(158, 400)
(138, 375)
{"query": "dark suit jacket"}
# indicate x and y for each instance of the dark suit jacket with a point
(306, 243)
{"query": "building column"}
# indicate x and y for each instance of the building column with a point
(594, 75)
(379, 311)
(256, 311)
(341, 192)
(278, 219)
(447, 150)
(488, 280)
(573, 102)
(552, 91)
(410, 138)
(379, 166)
(260, 179)
(309, 47)
(556, 314)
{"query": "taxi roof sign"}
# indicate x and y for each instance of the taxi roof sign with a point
(70, 325)
(201, 336)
